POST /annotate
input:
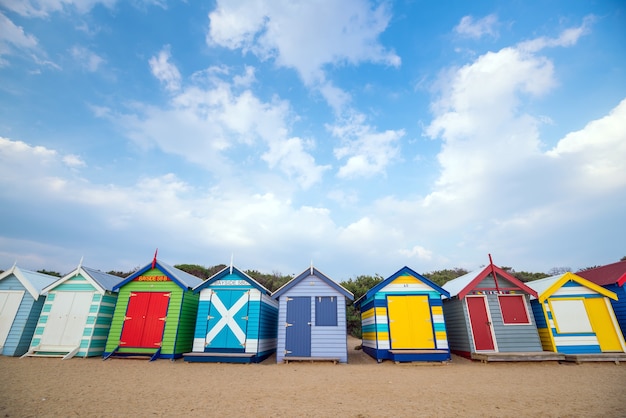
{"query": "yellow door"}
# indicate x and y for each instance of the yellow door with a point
(410, 326)
(603, 325)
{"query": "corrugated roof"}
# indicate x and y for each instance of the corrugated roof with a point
(181, 278)
(606, 275)
(455, 286)
(235, 271)
(541, 285)
(39, 280)
(105, 280)
(312, 271)
(33, 281)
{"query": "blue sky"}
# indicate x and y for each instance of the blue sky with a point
(360, 135)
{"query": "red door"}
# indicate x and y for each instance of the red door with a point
(481, 327)
(145, 319)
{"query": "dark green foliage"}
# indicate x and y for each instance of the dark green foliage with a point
(524, 276)
(119, 273)
(440, 277)
(271, 282)
(49, 273)
(196, 270)
(358, 287)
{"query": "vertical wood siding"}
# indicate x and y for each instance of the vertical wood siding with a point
(25, 321)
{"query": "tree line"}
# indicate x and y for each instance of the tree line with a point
(357, 286)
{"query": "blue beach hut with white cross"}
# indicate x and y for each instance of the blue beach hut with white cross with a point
(236, 322)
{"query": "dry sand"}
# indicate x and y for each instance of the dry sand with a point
(363, 388)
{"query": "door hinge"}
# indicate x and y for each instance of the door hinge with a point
(245, 318)
(287, 324)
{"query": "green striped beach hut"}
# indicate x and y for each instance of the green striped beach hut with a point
(155, 315)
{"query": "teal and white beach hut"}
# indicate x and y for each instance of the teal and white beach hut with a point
(76, 317)
(21, 301)
(236, 322)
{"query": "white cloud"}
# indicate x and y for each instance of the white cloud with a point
(13, 37)
(594, 156)
(417, 252)
(475, 29)
(73, 161)
(368, 152)
(43, 8)
(568, 37)
(165, 71)
(205, 119)
(305, 35)
(89, 60)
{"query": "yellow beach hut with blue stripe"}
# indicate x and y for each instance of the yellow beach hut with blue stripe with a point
(402, 319)
(575, 316)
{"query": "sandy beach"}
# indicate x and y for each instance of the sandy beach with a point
(36, 387)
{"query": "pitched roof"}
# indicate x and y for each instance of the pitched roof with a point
(226, 271)
(403, 271)
(546, 287)
(100, 280)
(462, 285)
(33, 281)
(312, 271)
(614, 273)
(181, 278)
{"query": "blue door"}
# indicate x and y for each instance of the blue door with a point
(227, 323)
(298, 334)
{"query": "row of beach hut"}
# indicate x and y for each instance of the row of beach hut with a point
(163, 312)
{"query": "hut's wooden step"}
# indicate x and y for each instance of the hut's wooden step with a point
(418, 351)
(64, 352)
(335, 360)
(581, 358)
(518, 356)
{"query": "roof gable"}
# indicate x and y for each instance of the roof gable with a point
(548, 286)
(463, 285)
(32, 281)
(312, 271)
(614, 273)
(228, 271)
(404, 271)
(183, 279)
(101, 281)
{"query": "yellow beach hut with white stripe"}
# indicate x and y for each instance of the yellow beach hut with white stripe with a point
(575, 316)
(402, 319)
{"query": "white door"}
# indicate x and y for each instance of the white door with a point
(9, 304)
(67, 319)
(570, 316)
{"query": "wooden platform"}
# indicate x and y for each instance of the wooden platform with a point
(582, 358)
(518, 356)
(335, 360)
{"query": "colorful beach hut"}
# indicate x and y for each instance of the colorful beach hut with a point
(402, 319)
(574, 316)
(312, 318)
(21, 301)
(155, 313)
(613, 278)
(76, 316)
(236, 321)
(488, 317)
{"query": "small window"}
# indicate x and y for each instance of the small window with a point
(326, 311)
(513, 308)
